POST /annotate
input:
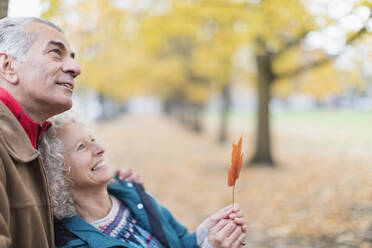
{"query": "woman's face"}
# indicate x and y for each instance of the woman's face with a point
(85, 157)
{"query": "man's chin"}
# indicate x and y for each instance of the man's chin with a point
(62, 107)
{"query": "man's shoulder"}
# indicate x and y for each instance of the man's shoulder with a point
(5, 130)
(13, 137)
(9, 125)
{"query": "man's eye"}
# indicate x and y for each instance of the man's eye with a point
(56, 51)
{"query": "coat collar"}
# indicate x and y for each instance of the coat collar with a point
(14, 138)
(31, 127)
(90, 234)
(125, 192)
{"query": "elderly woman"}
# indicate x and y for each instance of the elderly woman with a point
(94, 209)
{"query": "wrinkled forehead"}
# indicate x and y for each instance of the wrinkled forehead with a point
(71, 132)
(42, 34)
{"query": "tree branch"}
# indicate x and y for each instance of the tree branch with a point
(289, 44)
(326, 60)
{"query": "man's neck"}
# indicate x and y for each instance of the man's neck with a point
(36, 117)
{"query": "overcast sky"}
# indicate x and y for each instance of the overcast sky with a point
(24, 8)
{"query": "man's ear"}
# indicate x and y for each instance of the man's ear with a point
(7, 70)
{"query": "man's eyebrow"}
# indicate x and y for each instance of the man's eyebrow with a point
(61, 46)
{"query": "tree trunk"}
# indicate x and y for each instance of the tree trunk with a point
(196, 115)
(262, 155)
(226, 104)
(3, 8)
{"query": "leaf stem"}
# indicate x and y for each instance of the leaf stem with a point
(233, 193)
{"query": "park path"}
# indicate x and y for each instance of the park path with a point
(180, 167)
(321, 191)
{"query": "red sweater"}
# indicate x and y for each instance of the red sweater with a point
(31, 127)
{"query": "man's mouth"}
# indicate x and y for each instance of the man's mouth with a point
(67, 85)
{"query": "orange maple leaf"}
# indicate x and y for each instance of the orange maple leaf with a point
(236, 163)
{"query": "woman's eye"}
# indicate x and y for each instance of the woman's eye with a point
(80, 147)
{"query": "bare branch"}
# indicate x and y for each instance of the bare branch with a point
(290, 43)
(305, 68)
(321, 62)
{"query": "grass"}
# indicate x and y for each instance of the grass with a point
(322, 118)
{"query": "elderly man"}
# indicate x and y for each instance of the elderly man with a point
(37, 72)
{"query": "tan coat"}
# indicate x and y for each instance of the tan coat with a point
(26, 217)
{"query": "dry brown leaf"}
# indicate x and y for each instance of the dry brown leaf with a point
(236, 163)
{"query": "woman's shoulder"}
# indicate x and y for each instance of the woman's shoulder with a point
(63, 237)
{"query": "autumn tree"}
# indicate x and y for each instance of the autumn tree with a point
(175, 44)
(109, 53)
(278, 32)
(281, 54)
(3, 8)
(182, 50)
(201, 36)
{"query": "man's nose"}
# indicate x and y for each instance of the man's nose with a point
(71, 67)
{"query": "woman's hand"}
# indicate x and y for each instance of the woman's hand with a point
(226, 234)
(226, 228)
(127, 174)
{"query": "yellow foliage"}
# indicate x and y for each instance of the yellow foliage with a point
(197, 94)
(321, 81)
(282, 88)
(189, 46)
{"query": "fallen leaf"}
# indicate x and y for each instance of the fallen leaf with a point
(236, 163)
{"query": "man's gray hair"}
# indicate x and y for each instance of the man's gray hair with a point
(14, 39)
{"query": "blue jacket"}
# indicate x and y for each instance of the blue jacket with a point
(75, 232)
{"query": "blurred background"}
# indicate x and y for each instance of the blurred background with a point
(170, 84)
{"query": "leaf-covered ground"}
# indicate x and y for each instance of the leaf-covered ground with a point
(320, 195)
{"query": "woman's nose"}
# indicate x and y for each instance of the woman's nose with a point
(99, 150)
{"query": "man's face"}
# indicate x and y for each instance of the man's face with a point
(46, 77)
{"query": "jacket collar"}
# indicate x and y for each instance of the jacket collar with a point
(125, 192)
(90, 234)
(13, 137)
(33, 129)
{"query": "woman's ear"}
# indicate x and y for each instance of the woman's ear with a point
(7, 70)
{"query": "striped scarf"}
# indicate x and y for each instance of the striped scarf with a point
(122, 225)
